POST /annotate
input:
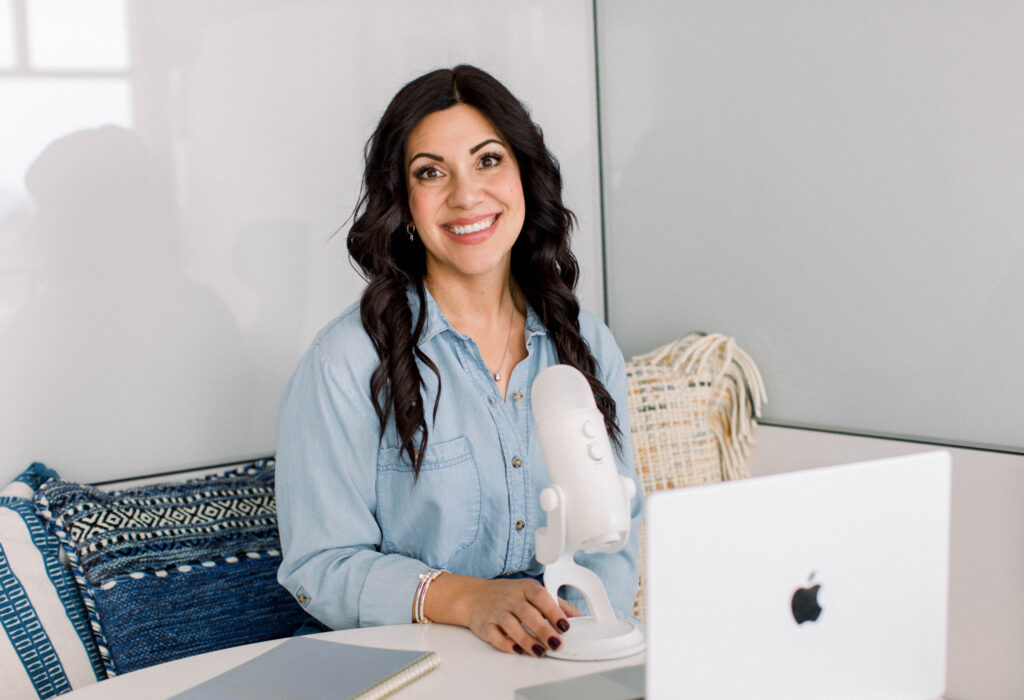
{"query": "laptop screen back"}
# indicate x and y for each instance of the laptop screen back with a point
(830, 582)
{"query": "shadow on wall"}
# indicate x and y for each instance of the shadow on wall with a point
(113, 337)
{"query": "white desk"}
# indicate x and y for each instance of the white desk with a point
(469, 667)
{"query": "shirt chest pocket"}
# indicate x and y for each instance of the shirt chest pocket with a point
(436, 516)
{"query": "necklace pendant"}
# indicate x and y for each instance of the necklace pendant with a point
(497, 376)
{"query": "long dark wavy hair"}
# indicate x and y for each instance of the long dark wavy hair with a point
(543, 266)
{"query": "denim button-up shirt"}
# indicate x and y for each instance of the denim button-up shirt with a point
(356, 530)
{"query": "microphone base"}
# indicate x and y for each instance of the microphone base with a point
(590, 640)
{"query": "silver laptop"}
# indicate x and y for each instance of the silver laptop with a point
(826, 583)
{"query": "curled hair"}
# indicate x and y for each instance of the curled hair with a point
(543, 265)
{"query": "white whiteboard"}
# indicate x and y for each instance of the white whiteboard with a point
(160, 278)
(840, 186)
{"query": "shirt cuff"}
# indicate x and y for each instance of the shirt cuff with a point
(388, 590)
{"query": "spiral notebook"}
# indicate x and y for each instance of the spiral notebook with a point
(314, 668)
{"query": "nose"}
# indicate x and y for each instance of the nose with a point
(465, 192)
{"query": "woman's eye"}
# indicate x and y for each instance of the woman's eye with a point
(427, 172)
(489, 160)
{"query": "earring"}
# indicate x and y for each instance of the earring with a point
(411, 229)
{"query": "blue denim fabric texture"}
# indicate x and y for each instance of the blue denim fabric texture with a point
(356, 530)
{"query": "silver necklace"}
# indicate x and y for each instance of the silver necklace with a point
(508, 341)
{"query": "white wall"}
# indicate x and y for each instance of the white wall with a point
(838, 186)
(159, 280)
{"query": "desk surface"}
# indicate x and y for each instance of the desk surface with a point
(469, 667)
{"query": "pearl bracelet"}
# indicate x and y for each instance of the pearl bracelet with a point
(421, 595)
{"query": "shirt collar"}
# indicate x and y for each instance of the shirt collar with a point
(436, 322)
(533, 323)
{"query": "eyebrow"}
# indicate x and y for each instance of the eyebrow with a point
(480, 145)
(438, 158)
(426, 155)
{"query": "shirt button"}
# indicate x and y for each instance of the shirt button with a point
(516, 462)
(518, 396)
(520, 524)
(302, 598)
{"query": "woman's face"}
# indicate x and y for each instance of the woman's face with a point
(465, 194)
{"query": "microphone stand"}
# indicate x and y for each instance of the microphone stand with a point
(576, 449)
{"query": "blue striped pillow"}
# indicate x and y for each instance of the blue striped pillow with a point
(46, 646)
(175, 569)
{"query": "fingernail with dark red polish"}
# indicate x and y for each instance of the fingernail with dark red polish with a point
(517, 649)
(563, 625)
(554, 642)
(538, 650)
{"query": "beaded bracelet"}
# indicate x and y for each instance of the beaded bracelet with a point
(421, 595)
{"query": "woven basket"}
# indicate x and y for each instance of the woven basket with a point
(692, 409)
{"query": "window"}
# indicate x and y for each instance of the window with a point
(65, 65)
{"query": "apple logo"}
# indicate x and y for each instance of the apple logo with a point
(805, 602)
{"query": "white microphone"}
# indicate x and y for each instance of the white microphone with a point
(587, 505)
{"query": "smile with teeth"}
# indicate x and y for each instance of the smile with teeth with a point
(472, 228)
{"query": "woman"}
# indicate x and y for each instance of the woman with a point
(406, 443)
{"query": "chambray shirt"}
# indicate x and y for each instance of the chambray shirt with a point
(356, 530)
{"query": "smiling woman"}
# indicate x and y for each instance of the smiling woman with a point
(465, 197)
(463, 238)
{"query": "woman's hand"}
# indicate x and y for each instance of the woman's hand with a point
(513, 615)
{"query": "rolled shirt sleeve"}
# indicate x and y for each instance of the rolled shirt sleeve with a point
(328, 440)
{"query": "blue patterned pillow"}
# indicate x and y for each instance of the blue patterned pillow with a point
(175, 569)
(46, 645)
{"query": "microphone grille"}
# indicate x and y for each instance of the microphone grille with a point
(559, 389)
